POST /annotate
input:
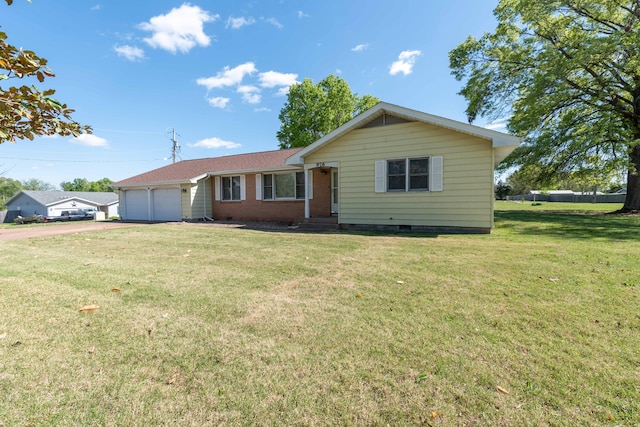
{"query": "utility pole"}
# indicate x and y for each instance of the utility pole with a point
(176, 146)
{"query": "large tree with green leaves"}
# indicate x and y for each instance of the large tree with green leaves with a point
(567, 75)
(8, 188)
(82, 184)
(314, 110)
(26, 111)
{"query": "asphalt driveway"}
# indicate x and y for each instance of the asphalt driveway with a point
(18, 232)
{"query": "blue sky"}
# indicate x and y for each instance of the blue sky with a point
(218, 71)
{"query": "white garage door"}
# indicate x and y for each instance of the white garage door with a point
(136, 206)
(166, 204)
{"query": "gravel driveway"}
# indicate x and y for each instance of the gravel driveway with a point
(23, 232)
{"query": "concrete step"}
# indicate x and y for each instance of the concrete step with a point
(319, 223)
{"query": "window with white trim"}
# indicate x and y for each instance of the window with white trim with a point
(231, 187)
(409, 174)
(283, 186)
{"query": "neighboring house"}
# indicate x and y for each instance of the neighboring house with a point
(52, 203)
(388, 168)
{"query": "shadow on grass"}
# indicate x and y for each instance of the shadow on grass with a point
(569, 225)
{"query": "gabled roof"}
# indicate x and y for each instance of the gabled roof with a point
(48, 198)
(190, 171)
(502, 143)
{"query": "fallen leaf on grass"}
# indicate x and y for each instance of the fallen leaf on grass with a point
(434, 415)
(502, 390)
(89, 308)
(358, 295)
(172, 379)
(3, 336)
(91, 350)
(400, 282)
(421, 378)
(115, 290)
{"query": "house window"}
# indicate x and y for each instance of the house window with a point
(408, 174)
(231, 187)
(267, 188)
(283, 186)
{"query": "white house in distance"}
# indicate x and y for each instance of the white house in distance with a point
(52, 203)
(390, 168)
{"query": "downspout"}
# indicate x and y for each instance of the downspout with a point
(148, 203)
(122, 204)
(204, 195)
(308, 171)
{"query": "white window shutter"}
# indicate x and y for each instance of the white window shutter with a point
(258, 186)
(218, 189)
(309, 176)
(381, 172)
(243, 187)
(436, 172)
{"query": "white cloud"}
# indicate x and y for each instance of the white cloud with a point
(218, 102)
(301, 14)
(228, 76)
(213, 143)
(250, 94)
(262, 110)
(274, 22)
(498, 124)
(237, 23)
(179, 30)
(404, 64)
(90, 140)
(273, 79)
(360, 47)
(132, 53)
(96, 7)
(283, 91)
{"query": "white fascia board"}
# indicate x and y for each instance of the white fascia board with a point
(283, 168)
(297, 159)
(59, 201)
(198, 178)
(78, 199)
(153, 184)
(503, 140)
(498, 139)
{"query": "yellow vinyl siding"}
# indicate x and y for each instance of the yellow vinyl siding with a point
(467, 196)
(193, 200)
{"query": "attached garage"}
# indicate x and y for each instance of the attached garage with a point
(135, 205)
(155, 204)
(166, 204)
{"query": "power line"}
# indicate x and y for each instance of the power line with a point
(77, 161)
(136, 132)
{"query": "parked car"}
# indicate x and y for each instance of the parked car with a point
(29, 219)
(75, 215)
(91, 211)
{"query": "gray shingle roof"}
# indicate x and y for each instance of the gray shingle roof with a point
(49, 197)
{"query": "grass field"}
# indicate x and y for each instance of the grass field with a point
(535, 324)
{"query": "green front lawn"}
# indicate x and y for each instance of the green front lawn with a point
(537, 323)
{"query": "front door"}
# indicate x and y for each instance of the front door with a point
(334, 191)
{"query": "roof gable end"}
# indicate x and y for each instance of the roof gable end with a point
(377, 115)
